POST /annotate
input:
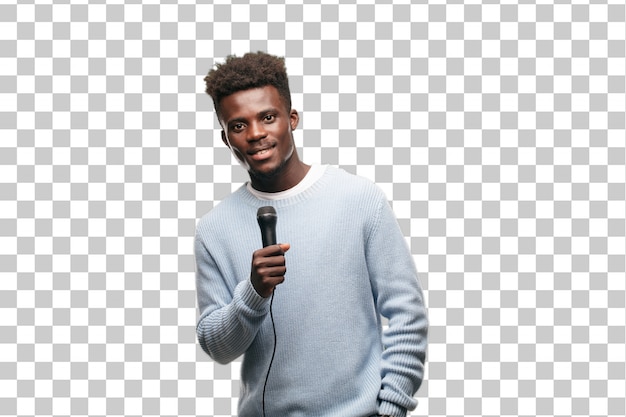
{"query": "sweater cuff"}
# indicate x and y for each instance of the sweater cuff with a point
(251, 299)
(391, 409)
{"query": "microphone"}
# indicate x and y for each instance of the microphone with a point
(266, 217)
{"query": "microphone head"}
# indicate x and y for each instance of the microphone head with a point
(266, 217)
(266, 211)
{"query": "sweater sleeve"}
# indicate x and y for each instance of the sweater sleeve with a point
(399, 298)
(231, 311)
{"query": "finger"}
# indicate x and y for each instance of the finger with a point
(277, 271)
(273, 272)
(276, 249)
(268, 262)
(269, 251)
(275, 281)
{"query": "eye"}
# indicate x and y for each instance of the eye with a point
(269, 118)
(237, 127)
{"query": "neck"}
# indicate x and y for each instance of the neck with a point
(284, 179)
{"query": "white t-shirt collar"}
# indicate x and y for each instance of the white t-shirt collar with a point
(315, 173)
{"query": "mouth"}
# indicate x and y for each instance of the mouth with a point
(259, 154)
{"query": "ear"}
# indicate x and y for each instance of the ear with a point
(224, 139)
(294, 119)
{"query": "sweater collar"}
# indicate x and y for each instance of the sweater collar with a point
(309, 189)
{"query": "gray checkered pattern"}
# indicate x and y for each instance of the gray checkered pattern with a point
(497, 131)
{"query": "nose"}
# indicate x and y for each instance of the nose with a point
(256, 131)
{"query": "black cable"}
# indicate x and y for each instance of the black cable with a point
(273, 352)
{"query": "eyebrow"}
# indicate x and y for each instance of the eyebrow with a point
(259, 114)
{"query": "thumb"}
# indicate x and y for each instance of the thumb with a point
(284, 246)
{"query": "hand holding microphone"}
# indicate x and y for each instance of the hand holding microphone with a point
(268, 264)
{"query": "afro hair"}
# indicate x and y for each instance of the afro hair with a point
(252, 70)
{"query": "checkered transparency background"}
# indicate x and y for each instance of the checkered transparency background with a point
(497, 132)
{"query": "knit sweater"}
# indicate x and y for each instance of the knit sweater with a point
(347, 267)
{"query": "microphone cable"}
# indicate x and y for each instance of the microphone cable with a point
(273, 351)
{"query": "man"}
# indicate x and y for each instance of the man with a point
(306, 314)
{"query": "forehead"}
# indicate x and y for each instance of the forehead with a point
(246, 103)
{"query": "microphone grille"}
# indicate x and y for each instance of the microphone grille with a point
(265, 210)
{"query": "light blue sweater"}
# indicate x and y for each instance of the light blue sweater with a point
(348, 265)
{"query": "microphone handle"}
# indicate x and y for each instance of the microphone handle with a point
(268, 235)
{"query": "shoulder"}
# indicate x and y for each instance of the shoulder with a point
(353, 186)
(354, 196)
(224, 211)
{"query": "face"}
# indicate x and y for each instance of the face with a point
(257, 127)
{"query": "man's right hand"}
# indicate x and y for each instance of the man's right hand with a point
(268, 268)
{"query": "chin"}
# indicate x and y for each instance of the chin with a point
(270, 172)
(273, 169)
(267, 174)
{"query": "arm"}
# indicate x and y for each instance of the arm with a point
(230, 319)
(399, 298)
(231, 313)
